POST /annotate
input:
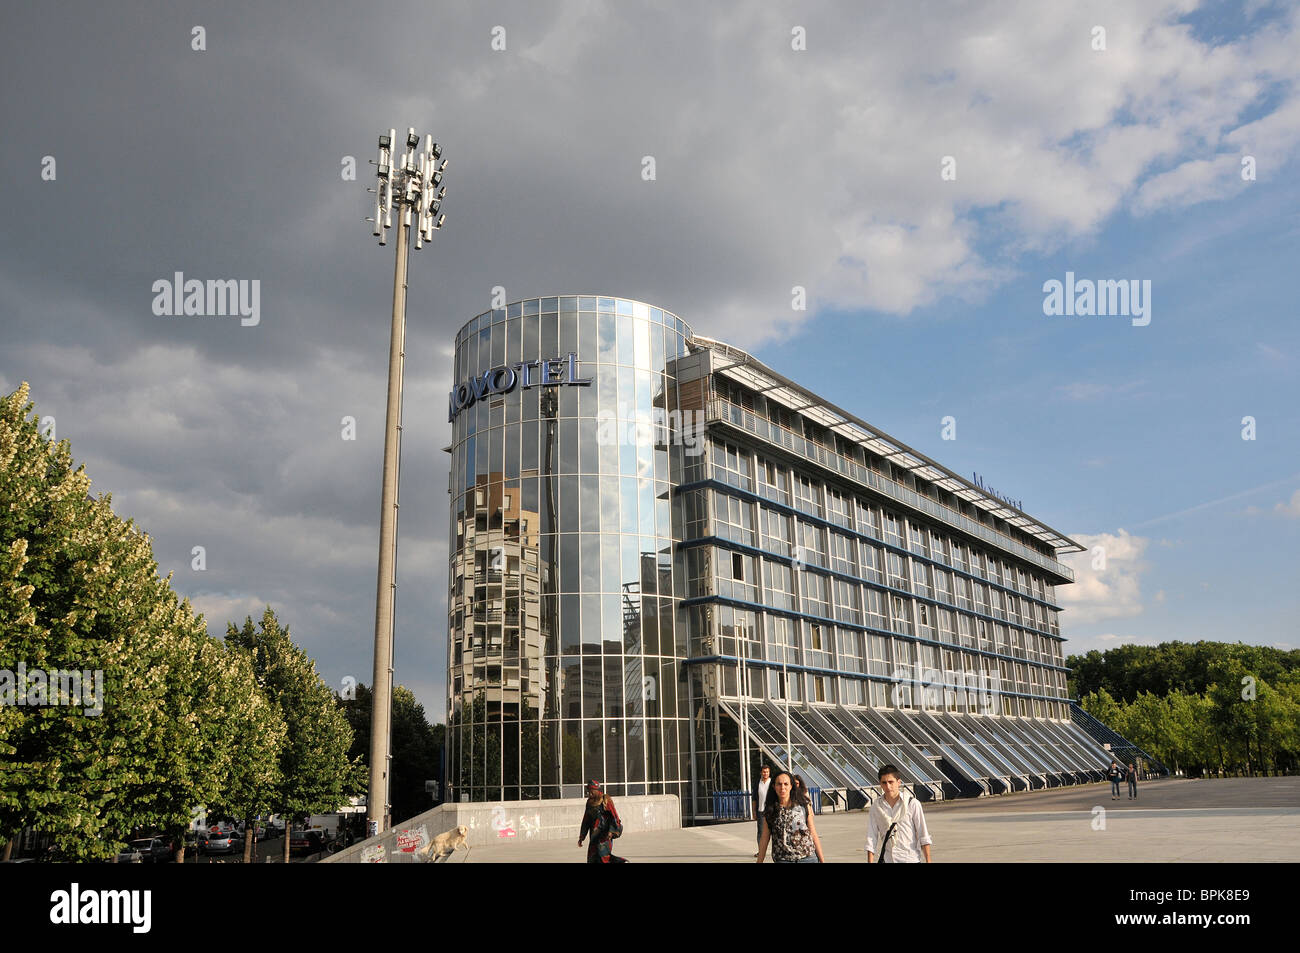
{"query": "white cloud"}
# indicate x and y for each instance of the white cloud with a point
(1291, 508)
(1108, 578)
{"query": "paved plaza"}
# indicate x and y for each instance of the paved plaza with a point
(1237, 820)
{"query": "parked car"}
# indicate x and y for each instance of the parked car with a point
(130, 854)
(308, 841)
(217, 842)
(153, 850)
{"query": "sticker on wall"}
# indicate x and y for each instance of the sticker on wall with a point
(499, 824)
(412, 839)
(374, 854)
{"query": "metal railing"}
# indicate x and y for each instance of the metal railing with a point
(727, 412)
(731, 805)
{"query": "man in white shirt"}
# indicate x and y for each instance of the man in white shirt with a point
(760, 799)
(896, 824)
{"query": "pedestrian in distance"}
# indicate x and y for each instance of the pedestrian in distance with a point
(1132, 777)
(760, 801)
(896, 831)
(788, 826)
(799, 791)
(601, 821)
(1113, 775)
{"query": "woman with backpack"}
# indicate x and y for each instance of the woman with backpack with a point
(788, 826)
(602, 822)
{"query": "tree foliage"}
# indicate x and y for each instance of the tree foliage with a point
(1209, 708)
(416, 747)
(187, 720)
(79, 590)
(313, 773)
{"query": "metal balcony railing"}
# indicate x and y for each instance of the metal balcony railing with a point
(726, 412)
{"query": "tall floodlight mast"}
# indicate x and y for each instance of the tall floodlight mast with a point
(414, 190)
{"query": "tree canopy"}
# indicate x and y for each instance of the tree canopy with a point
(166, 718)
(1207, 708)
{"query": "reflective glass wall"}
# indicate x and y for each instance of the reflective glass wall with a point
(564, 649)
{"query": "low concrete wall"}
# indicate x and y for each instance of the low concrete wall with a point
(503, 822)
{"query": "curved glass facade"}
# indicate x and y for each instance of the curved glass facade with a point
(564, 652)
(668, 564)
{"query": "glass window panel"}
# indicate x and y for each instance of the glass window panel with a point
(607, 350)
(641, 329)
(615, 617)
(568, 337)
(628, 522)
(550, 337)
(498, 348)
(592, 701)
(570, 625)
(613, 686)
(626, 340)
(591, 634)
(590, 553)
(650, 625)
(531, 346)
(614, 764)
(647, 507)
(609, 521)
(588, 344)
(570, 687)
(572, 752)
(609, 563)
(594, 748)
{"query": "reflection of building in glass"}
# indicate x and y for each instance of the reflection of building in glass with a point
(640, 515)
(578, 522)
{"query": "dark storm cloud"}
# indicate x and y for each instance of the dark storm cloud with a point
(773, 169)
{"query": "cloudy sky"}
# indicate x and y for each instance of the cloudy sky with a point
(920, 171)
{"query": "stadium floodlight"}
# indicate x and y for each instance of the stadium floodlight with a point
(414, 190)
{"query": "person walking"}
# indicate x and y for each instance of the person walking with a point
(896, 831)
(760, 801)
(602, 822)
(1132, 777)
(1113, 775)
(788, 827)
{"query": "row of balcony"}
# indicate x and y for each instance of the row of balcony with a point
(724, 411)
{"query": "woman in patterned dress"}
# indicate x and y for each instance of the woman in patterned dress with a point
(602, 822)
(788, 826)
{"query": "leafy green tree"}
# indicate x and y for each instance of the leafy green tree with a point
(416, 747)
(1146, 723)
(79, 590)
(315, 774)
(1105, 709)
(251, 742)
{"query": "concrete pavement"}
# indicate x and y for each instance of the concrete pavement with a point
(1226, 820)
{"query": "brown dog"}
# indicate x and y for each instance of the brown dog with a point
(446, 844)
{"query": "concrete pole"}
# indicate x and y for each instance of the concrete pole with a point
(377, 808)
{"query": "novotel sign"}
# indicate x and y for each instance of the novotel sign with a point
(504, 379)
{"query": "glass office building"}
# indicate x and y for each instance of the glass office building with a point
(668, 564)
